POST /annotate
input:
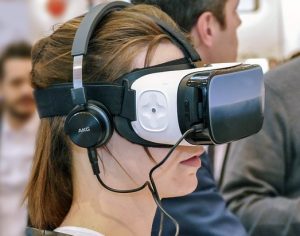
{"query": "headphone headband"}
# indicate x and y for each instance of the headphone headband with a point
(92, 18)
(87, 27)
(90, 22)
(81, 42)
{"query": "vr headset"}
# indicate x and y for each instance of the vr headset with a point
(155, 106)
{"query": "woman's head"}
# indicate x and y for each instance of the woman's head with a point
(125, 40)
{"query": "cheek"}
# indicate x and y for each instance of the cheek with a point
(158, 154)
(10, 94)
(233, 38)
(230, 35)
(172, 178)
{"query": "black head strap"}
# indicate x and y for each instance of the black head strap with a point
(179, 39)
(119, 99)
(56, 100)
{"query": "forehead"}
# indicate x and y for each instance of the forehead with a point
(17, 68)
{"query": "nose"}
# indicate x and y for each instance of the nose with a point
(194, 150)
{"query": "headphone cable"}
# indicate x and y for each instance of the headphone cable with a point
(93, 158)
(154, 188)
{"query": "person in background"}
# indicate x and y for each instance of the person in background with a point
(212, 25)
(262, 179)
(19, 124)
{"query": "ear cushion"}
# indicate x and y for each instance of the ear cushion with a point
(89, 126)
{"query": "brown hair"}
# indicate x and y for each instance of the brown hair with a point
(186, 12)
(112, 49)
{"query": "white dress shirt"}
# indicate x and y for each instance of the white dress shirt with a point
(16, 153)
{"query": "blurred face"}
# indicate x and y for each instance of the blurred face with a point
(16, 88)
(225, 42)
(176, 177)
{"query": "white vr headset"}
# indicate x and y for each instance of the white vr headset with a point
(155, 106)
(226, 99)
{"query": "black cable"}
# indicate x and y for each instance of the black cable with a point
(167, 156)
(93, 157)
(161, 223)
(155, 192)
(223, 169)
(121, 191)
(164, 212)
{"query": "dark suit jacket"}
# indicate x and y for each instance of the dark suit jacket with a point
(202, 212)
(262, 175)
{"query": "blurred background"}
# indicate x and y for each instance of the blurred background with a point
(270, 28)
(269, 35)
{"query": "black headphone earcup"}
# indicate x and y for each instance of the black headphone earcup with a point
(89, 126)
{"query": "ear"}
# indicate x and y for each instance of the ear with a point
(206, 28)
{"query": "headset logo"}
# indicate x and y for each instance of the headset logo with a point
(84, 130)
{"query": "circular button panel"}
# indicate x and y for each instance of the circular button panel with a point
(152, 111)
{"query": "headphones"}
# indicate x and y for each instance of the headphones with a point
(89, 125)
(89, 122)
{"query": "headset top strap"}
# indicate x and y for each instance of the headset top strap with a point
(180, 40)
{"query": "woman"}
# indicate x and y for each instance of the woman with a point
(63, 194)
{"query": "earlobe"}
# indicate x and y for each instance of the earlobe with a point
(205, 28)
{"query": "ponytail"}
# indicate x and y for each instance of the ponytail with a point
(50, 188)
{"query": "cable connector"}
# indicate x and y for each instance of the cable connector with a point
(197, 128)
(93, 157)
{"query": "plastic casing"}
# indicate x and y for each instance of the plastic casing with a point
(156, 104)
